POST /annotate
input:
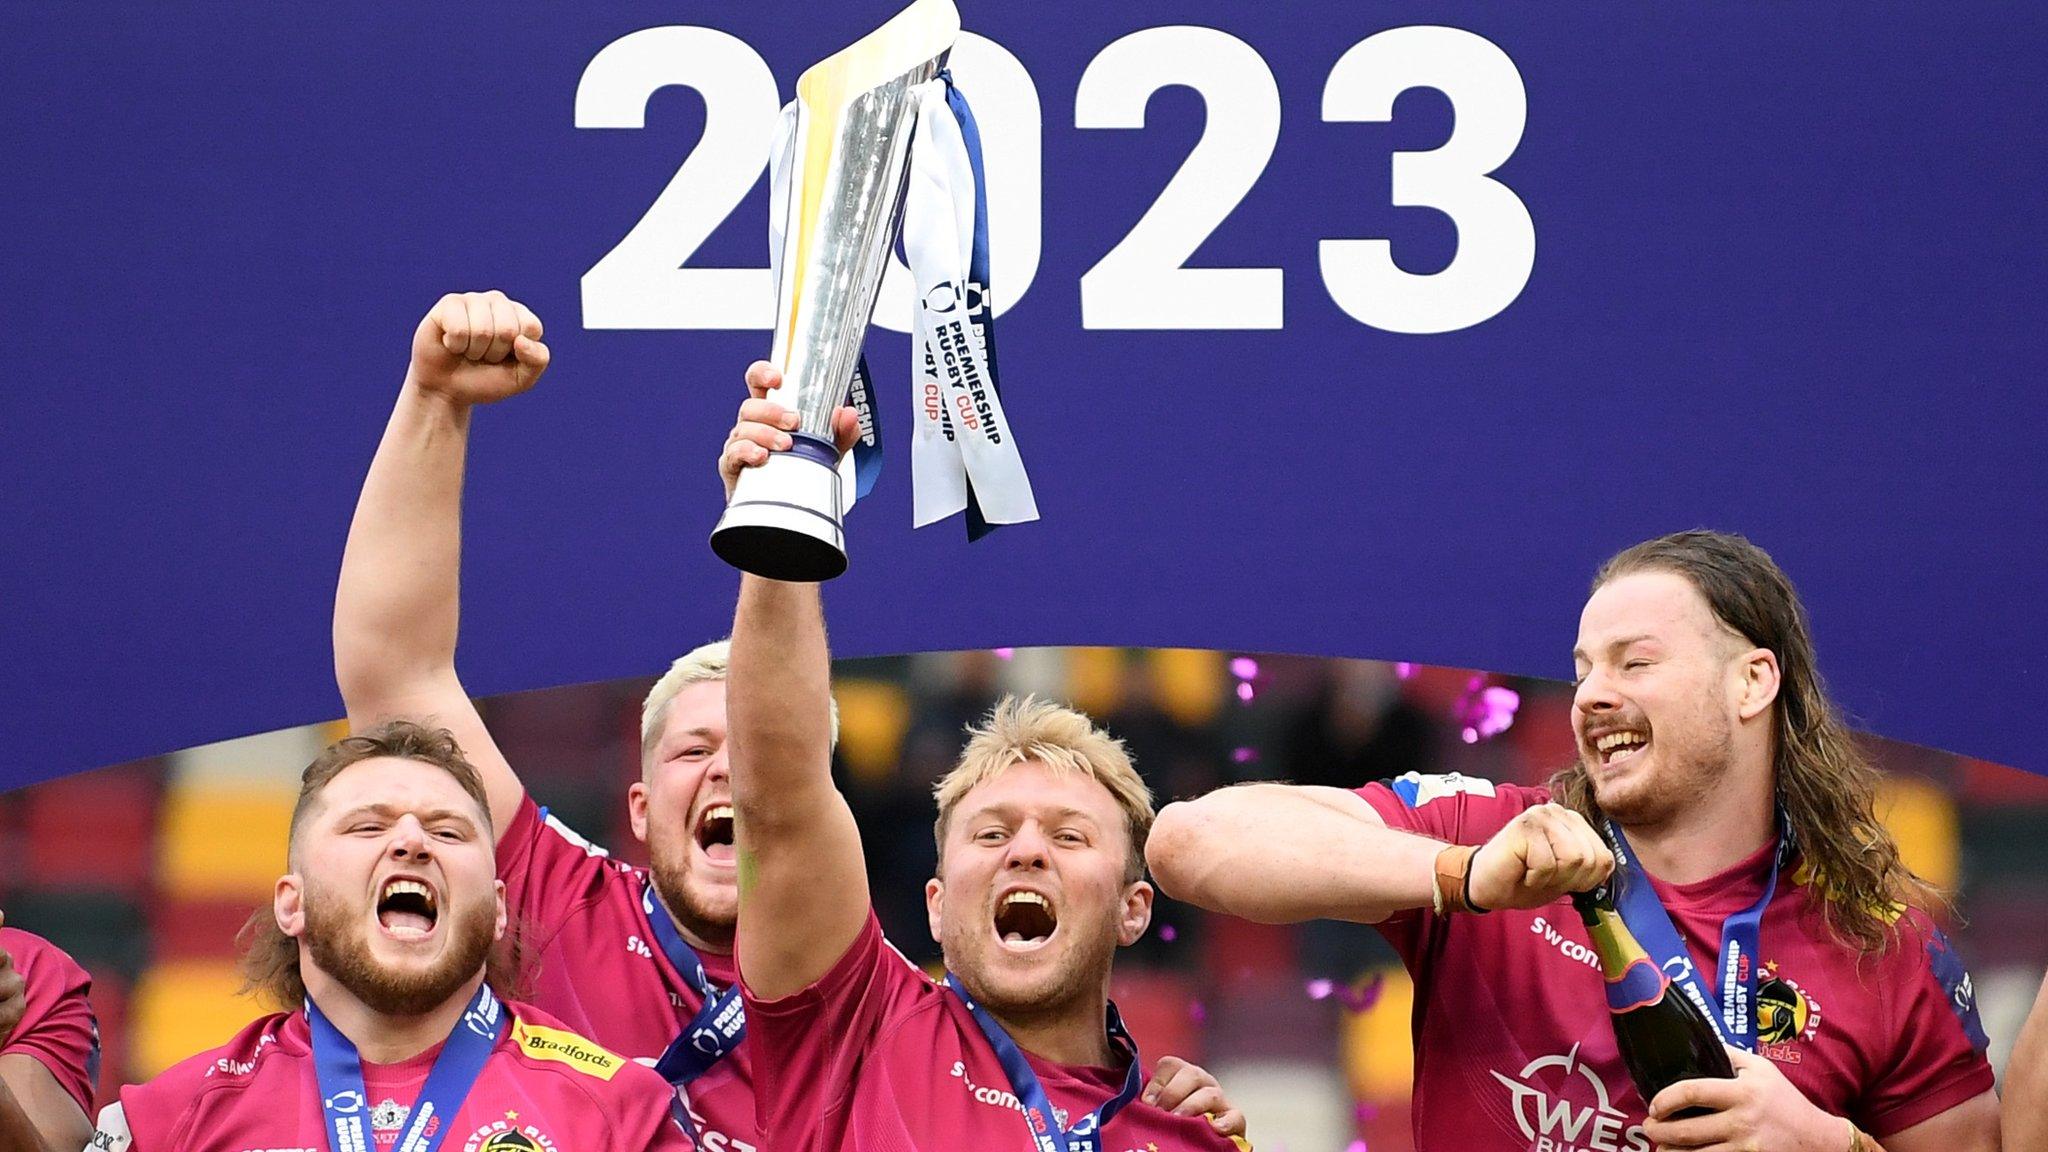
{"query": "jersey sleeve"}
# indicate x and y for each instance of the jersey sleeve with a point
(550, 872)
(57, 1025)
(808, 1045)
(1935, 1058)
(1449, 807)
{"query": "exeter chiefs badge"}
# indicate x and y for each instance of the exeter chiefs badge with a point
(1784, 1014)
(508, 1135)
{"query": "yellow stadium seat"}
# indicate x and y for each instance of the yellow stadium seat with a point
(873, 716)
(1378, 1054)
(184, 1007)
(1095, 679)
(1191, 683)
(222, 841)
(1922, 818)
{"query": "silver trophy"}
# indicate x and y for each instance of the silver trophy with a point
(849, 166)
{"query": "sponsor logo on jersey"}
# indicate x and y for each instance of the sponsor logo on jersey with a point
(1561, 1105)
(1785, 1015)
(543, 1043)
(1568, 948)
(1955, 981)
(1416, 789)
(509, 1135)
(1002, 1097)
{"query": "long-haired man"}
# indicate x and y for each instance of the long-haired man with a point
(1758, 878)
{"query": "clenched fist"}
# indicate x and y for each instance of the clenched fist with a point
(1546, 852)
(477, 348)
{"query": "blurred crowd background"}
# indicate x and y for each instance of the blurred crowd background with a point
(146, 871)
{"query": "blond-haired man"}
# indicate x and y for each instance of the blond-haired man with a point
(638, 959)
(1041, 834)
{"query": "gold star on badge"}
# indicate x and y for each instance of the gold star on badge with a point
(511, 1115)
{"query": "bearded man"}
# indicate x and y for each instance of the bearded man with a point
(380, 943)
(1769, 894)
(1041, 834)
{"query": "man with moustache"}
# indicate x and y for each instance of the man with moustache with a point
(49, 1046)
(1758, 878)
(638, 959)
(379, 942)
(1041, 835)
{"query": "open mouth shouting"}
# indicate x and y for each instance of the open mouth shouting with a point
(714, 834)
(1025, 920)
(1617, 746)
(407, 908)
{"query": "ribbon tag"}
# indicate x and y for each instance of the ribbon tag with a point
(964, 457)
(338, 1069)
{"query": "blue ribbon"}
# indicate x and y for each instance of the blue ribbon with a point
(980, 315)
(1651, 925)
(1047, 1134)
(339, 1071)
(867, 451)
(719, 1025)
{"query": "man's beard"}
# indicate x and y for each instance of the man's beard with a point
(1073, 977)
(1686, 777)
(343, 952)
(709, 917)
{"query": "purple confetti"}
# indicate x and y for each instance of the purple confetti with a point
(1167, 933)
(1356, 1146)
(1244, 755)
(1404, 671)
(1485, 712)
(1198, 1012)
(1366, 1112)
(1354, 997)
(1244, 668)
(1005, 653)
(1244, 691)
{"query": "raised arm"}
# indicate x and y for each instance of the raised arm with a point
(2026, 1083)
(396, 608)
(803, 881)
(1280, 853)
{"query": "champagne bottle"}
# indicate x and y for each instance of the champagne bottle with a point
(1663, 1036)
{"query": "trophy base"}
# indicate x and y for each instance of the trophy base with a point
(783, 521)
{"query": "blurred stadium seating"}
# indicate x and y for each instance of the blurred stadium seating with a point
(145, 871)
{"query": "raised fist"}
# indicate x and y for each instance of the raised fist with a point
(1546, 852)
(477, 348)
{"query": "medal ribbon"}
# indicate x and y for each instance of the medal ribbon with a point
(338, 1069)
(719, 1025)
(1046, 1133)
(1651, 924)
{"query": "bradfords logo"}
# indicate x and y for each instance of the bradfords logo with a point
(1547, 1100)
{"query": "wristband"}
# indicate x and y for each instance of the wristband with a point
(1451, 883)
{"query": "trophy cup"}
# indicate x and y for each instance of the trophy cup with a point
(850, 163)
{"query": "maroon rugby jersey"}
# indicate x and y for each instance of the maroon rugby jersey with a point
(877, 1057)
(57, 1026)
(543, 1089)
(601, 972)
(1514, 1050)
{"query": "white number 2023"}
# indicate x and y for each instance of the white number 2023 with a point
(1143, 281)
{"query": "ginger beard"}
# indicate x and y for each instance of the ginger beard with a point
(682, 809)
(338, 934)
(1031, 903)
(1655, 720)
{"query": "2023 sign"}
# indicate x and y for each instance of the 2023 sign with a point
(1141, 282)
